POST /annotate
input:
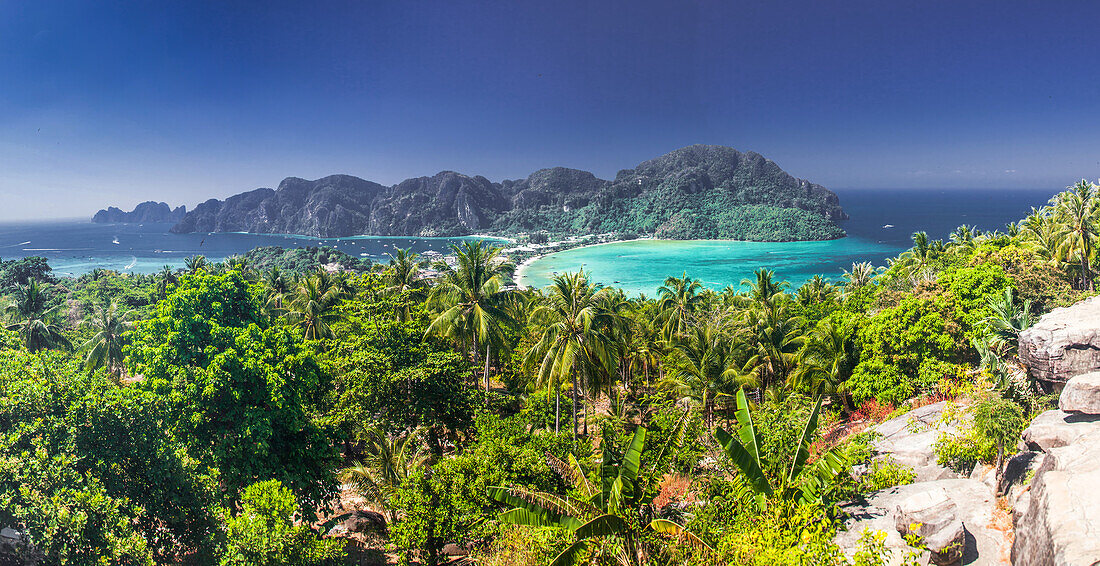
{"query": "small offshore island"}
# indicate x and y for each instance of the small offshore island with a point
(696, 192)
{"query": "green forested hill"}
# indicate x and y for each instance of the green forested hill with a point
(700, 191)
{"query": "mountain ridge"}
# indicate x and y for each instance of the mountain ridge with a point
(699, 191)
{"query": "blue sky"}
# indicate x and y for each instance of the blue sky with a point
(126, 101)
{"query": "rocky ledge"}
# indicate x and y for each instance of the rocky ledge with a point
(1064, 343)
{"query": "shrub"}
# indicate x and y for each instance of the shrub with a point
(881, 381)
(264, 532)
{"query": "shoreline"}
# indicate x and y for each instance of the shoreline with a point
(521, 269)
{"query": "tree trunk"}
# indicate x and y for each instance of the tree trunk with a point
(1086, 277)
(557, 408)
(575, 414)
(486, 373)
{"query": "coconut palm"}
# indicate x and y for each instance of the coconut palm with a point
(104, 349)
(964, 236)
(403, 276)
(815, 291)
(35, 322)
(312, 306)
(702, 366)
(827, 359)
(469, 300)
(165, 279)
(764, 292)
(388, 462)
(576, 339)
(1078, 210)
(861, 275)
(276, 288)
(404, 271)
(774, 339)
(196, 262)
(678, 301)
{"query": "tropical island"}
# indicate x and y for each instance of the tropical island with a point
(306, 407)
(696, 192)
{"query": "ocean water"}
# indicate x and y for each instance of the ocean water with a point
(881, 226)
(78, 246)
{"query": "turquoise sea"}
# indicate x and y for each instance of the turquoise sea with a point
(881, 226)
(77, 246)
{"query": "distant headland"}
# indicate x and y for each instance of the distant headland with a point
(696, 192)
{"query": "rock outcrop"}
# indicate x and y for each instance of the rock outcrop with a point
(1064, 343)
(1058, 517)
(910, 438)
(958, 509)
(1081, 394)
(699, 191)
(148, 211)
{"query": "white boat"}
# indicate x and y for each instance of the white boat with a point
(887, 225)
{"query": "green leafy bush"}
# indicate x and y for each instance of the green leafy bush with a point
(264, 532)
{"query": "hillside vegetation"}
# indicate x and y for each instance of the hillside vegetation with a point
(695, 192)
(223, 414)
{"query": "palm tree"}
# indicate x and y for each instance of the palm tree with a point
(703, 366)
(312, 306)
(165, 279)
(619, 510)
(1078, 209)
(764, 292)
(1045, 234)
(104, 349)
(470, 300)
(679, 300)
(964, 236)
(37, 325)
(276, 289)
(577, 336)
(387, 465)
(195, 263)
(827, 359)
(775, 339)
(815, 291)
(861, 275)
(404, 271)
(403, 276)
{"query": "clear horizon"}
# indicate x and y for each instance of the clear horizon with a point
(111, 105)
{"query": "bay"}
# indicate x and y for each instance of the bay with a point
(77, 246)
(881, 225)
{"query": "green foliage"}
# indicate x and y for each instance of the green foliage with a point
(300, 261)
(90, 470)
(973, 288)
(22, 271)
(241, 393)
(879, 380)
(885, 473)
(960, 452)
(264, 533)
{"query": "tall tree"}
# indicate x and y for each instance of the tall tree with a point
(679, 300)
(403, 277)
(36, 323)
(702, 366)
(576, 338)
(470, 300)
(1078, 209)
(104, 349)
(312, 306)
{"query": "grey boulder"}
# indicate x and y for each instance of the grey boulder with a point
(1064, 343)
(1056, 428)
(909, 439)
(1081, 394)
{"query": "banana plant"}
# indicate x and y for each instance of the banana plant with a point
(620, 507)
(803, 483)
